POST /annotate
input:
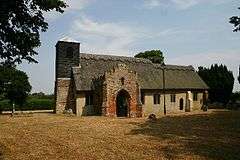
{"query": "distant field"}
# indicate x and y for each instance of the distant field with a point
(32, 103)
(211, 135)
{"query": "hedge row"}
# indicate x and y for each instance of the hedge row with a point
(31, 104)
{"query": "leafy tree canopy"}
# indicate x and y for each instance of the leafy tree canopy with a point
(235, 20)
(20, 24)
(220, 80)
(14, 84)
(156, 56)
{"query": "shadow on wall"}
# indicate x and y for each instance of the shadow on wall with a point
(212, 136)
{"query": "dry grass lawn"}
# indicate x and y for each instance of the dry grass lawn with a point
(211, 135)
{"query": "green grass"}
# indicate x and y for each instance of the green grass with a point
(39, 104)
(32, 103)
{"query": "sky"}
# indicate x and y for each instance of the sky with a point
(188, 32)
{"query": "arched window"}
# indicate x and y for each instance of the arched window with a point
(181, 104)
(69, 53)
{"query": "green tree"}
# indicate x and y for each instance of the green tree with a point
(20, 24)
(14, 84)
(156, 56)
(220, 80)
(235, 20)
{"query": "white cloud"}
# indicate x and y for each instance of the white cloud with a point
(77, 4)
(230, 58)
(179, 4)
(73, 6)
(114, 37)
(184, 4)
(151, 3)
(105, 36)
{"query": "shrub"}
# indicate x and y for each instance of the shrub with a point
(235, 97)
(5, 105)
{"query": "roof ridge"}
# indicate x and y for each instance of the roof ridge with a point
(133, 59)
(179, 67)
(113, 58)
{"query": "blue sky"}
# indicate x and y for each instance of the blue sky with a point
(188, 32)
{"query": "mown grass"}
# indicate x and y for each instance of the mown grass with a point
(211, 135)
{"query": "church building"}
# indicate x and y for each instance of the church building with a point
(117, 86)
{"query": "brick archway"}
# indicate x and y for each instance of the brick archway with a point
(116, 80)
(123, 103)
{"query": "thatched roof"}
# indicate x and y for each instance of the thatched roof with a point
(150, 76)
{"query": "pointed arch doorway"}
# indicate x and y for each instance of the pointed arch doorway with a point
(122, 102)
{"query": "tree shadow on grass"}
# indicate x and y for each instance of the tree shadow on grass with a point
(2, 148)
(210, 136)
